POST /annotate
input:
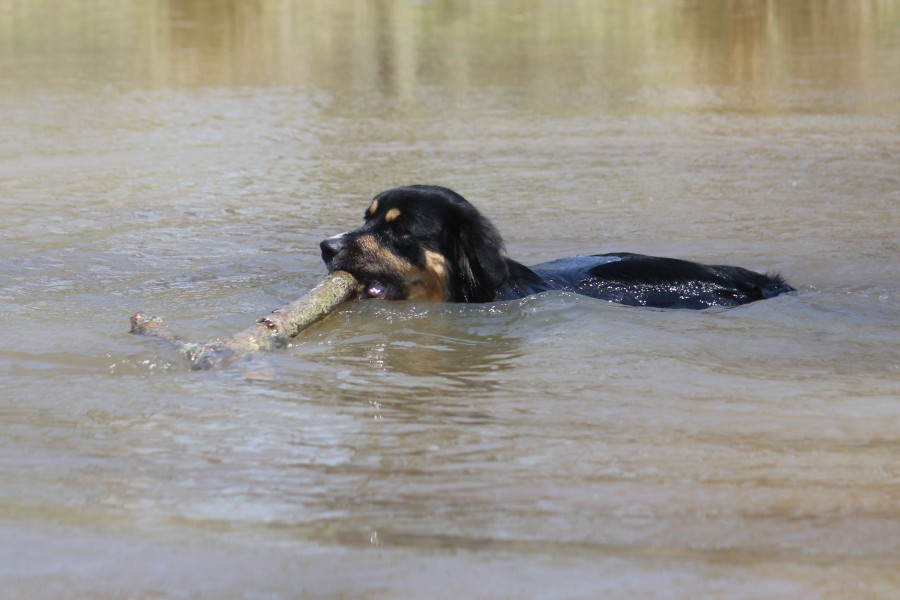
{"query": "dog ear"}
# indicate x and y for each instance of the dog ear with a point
(478, 252)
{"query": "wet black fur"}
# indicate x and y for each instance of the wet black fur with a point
(439, 220)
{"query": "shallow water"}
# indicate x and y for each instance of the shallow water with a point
(186, 158)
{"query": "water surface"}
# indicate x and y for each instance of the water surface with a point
(186, 158)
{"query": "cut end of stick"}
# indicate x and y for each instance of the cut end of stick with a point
(144, 324)
(140, 321)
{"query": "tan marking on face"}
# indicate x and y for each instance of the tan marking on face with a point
(383, 259)
(373, 208)
(430, 283)
(376, 254)
(422, 283)
(391, 215)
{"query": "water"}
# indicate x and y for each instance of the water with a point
(186, 158)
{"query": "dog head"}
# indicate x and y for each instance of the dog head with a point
(421, 242)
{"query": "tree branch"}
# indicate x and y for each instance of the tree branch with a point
(267, 333)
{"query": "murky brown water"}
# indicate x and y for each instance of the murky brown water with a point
(186, 157)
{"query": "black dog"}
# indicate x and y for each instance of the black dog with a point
(428, 242)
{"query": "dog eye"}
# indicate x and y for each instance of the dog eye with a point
(401, 231)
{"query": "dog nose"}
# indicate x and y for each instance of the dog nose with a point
(331, 246)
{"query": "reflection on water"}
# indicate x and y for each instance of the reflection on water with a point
(426, 340)
(186, 157)
(754, 54)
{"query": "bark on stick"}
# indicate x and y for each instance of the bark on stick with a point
(267, 333)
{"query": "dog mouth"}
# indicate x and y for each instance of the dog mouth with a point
(372, 283)
(374, 290)
(371, 287)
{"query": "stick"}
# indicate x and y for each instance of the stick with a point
(267, 333)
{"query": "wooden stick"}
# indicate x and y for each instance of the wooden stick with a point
(267, 333)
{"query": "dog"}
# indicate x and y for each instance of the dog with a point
(425, 242)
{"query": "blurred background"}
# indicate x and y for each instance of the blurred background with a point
(758, 55)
